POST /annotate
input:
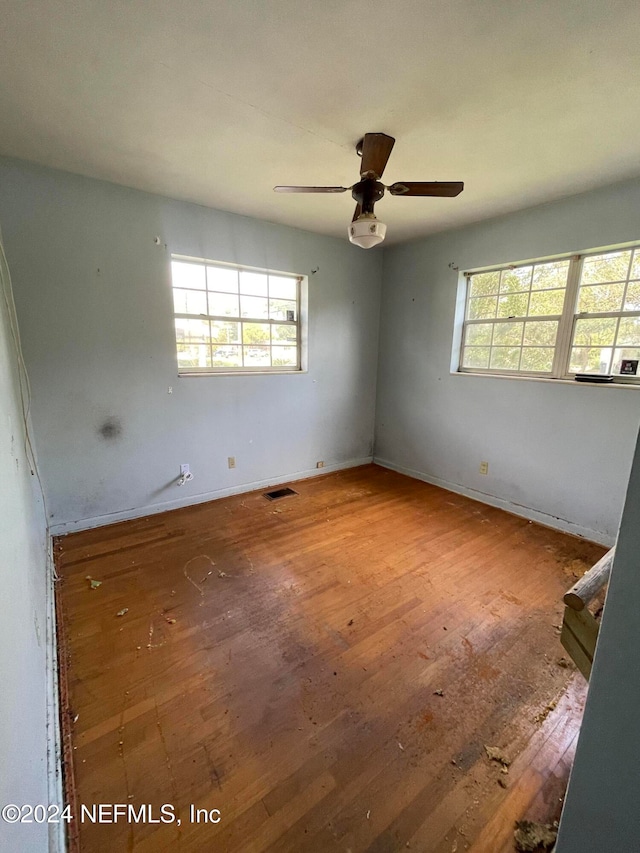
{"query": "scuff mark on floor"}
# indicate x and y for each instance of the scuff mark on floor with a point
(188, 563)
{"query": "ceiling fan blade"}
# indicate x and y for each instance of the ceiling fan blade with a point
(310, 189)
(357, 213)
(376, 148)
(444, 189)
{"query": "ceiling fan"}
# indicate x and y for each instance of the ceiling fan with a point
(365, 229)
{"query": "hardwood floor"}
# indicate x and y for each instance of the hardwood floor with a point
(282, 662)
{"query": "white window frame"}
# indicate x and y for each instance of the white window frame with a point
(566, 320)
(299, 323)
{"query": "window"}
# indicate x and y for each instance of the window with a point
(555, 318)
(606, 327)
(232, 319)
(512, 318)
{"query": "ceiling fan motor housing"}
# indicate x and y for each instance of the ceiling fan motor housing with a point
(367, 192)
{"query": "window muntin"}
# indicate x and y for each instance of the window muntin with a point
(512, 318)
(606, 323)
(555, 318)
(233, 319)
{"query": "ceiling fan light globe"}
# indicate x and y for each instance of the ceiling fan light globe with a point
(366, 232)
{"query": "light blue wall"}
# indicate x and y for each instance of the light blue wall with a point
(557, 452)
(23, 622)
(94, 304)
(93, 296)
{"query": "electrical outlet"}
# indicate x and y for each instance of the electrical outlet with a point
(319, 464)
(484, 467)
(231, 461)
(184, 470)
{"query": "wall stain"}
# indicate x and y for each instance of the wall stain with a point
(110, 429)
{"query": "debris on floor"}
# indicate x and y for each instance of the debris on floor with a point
(503, 782)
(93, 584)
(438, 692)
(223, 575)
(576, 569)
(123, 611)
(542, 716)
(350, 622)
(529, 836)
(564, 663)
(494, 753)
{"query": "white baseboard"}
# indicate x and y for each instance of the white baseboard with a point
(191, 500)
(492, 500)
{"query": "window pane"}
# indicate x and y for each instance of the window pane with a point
(481, 308)
(226, 356)
(546, 303)
(478, 335)
(629, 332)
(194, 355)
(600, 297)
(590, 360)
(282, 309)
(256, 333)
(632, 299)
(223, 305)
(222, 278)
(282, 288)
(189, 302)
(513, 305)
(192, 331)
(505, 358)
(484, 283)
(610, 267)
(541, 332)
(283, 334)
(257, 356)
(477, 357)
(624, 352)
(253, 283)
(202, 290)
(188, 275)
(595, 332)
(225, 333)
(537, 358)
(507, 334)
(254, 306)
(635, 266)
(550, 276)
(284, 356)
(515, 280)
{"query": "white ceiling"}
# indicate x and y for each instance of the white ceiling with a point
(215, 102)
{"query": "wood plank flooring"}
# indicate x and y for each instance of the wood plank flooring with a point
(282, 663)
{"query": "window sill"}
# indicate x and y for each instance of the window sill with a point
(629, 384)
(207, 373)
